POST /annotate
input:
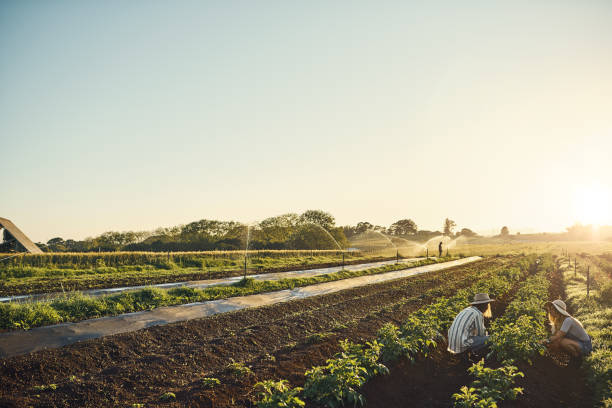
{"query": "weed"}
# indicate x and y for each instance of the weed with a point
(317, 337)
(209, 382)
(238, 369)
(49, 387)
(167, 396)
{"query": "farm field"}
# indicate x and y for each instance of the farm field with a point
(296, 205)
(30, 274)
(178, 356)
(66, 272)
(217, 361)
(514, 246)
(76, 307)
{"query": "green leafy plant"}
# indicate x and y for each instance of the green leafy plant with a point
(421, 331)
(339, 381)
(278, 394)
(48, 387)
(238, 369)
(168, 396)
(491, 386)
(518, 341)
(209, 382)
(394, 345)
(470, 398)
(367, 356)
(496, 383)
(317, 337)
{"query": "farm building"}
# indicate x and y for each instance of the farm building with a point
(13, 239)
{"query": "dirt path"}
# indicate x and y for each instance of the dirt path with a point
(276, 341)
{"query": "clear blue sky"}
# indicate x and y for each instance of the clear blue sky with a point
(131, 115)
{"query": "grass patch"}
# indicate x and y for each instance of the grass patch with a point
(595, 313)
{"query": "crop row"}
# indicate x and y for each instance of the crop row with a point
(338, 382)
(515, 337)
(17, 279)
(188, 258)
(78, 307)
(595, 313)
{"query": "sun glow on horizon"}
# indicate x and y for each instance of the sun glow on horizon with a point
(593, 205)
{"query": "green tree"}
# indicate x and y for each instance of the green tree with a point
(449, 226)
(403, 227)
(504, 231)
(276, 231)
(466, 232)
(363, 226)
(56, 244)
(318, 217)
(308, 236)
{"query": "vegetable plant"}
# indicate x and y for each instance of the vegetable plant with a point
(339, 381)
(277, 394)
(491, 386)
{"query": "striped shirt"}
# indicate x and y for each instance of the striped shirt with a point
(468, 323)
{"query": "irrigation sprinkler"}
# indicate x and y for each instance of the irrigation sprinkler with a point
(397, 257)
(342, 260)
(427, 253)
(575, 263)
(245, 266)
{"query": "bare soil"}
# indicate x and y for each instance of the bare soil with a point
(274, 341)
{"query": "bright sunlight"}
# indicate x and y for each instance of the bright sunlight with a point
(592, 205)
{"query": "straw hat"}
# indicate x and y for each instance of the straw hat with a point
(481, 298)
(560, 306)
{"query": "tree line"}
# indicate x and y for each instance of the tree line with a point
(314, 229)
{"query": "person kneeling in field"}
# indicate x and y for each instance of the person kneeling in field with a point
(568, 334)
(468, 333)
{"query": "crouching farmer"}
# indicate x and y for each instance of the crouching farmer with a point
(468, 333)
(568, 334)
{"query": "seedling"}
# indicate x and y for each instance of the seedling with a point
(168, 396)
(209, 382)
(238, 369)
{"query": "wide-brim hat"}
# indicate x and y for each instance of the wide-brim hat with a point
(560, 306)
(480, 298)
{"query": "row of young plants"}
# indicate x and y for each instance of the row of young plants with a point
(100, 264)
(96, 270)
(516, 336)
(338, 382)
(193, 258)
(79, 307)
(595, 313)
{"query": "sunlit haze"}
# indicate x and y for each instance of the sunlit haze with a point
(134, 115)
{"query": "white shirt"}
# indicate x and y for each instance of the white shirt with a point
(468, 323)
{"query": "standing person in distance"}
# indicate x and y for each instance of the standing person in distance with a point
(468, 332)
